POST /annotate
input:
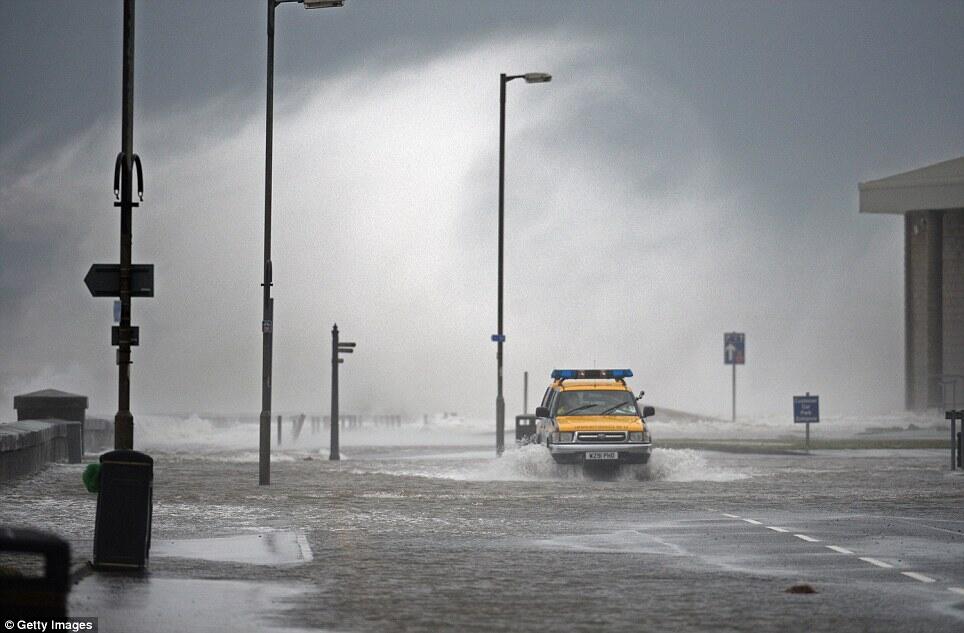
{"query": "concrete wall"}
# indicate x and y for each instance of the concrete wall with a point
(28, 446)
(953, 299)
(922, 304)
(934, 305)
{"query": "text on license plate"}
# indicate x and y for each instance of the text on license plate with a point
(602, 455)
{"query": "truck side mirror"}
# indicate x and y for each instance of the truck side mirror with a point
(648, 411)
(542, 412)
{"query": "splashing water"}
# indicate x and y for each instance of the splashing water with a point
(534, 463)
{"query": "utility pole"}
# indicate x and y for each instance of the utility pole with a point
(499, 337)
(267, 308)
(336, 349)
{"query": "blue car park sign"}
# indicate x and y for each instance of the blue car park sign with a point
(734, 347)
(806, 409)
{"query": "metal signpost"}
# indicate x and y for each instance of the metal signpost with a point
(124, 280)
(806, 410)
(734, 353)
(336, 349)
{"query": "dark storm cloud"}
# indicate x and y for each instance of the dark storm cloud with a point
(713, 149)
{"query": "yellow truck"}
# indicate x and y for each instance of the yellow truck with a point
(590, 416)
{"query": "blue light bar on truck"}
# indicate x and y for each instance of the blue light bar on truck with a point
(618, 374)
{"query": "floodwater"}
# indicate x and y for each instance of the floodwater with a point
(425, 530)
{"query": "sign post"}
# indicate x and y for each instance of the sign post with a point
(734, 353)
(337, 347)
(806, 410)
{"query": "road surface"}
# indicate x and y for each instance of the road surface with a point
(428, 538)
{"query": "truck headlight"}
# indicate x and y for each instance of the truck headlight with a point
(561, 438)
(635, 436)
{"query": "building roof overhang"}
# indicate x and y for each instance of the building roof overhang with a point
(936, 187)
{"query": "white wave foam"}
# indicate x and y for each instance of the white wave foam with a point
(683, 464)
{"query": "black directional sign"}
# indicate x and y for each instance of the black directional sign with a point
(115, 335)
(103, 280)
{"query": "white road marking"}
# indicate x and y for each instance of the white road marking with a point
(842, 550)
(732, 516)
(917, 520)
(808, 539)
(916, 576)
(777, 529)
(959, 590)
(305, 548)
(753, 521)
(874, 561)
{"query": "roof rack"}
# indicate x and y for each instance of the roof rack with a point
(616, 374)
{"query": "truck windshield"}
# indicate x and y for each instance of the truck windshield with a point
(596, 402)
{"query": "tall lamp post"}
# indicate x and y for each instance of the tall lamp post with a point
(499, 338)
(267, 325)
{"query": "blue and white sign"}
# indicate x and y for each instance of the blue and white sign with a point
(806, 409)
(498, 338)
(734, 346)
(117, 311)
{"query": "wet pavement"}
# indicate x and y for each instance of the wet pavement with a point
(434, 537)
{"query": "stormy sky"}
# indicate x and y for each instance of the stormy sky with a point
(691, 169)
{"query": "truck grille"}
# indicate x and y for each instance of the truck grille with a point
(601, 436)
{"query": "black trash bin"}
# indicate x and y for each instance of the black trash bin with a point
(122, 532)
(31, 597)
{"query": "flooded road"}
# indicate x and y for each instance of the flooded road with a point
(447, 537)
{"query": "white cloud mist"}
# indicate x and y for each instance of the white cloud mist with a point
(628, 244)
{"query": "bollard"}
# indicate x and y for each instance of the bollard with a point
(960, 449)
(122, 531)
(956, 445)
(32, 598)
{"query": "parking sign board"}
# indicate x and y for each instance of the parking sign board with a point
(734, 347)
(806, 409)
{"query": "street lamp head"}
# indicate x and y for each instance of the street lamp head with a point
(537, 78)
(323, 4)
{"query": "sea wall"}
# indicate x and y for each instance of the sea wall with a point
(27, 446)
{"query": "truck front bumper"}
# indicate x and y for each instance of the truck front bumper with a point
(626, 453)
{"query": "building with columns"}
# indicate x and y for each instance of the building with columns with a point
(931, 199)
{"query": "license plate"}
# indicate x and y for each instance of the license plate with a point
(602, 455)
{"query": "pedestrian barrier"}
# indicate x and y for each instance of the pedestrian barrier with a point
(31, 597)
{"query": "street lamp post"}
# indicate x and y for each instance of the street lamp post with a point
(532, 78)
(267, 324)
